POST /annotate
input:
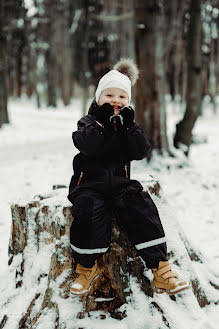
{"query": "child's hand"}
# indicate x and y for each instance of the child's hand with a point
(104, 113)
(116, 122)
(128, 115)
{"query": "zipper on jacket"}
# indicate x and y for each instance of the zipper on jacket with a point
(79, 180)
(126, 171)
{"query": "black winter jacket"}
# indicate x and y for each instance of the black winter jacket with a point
(101, 148)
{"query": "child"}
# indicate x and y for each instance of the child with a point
(108, 139)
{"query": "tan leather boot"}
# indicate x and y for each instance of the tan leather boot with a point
(167, 281)
(85, 279)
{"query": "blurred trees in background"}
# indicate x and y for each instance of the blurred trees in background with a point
(56, 50)
(3, 73)
(194, 83)
(149, 46)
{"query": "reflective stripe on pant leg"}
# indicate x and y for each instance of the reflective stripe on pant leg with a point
(87, 257)
(89, 251)
(139, 216)
(151, 243)
(91, 228)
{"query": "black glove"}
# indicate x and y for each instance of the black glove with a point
(116, 123)
(128, 115)
(104, 113)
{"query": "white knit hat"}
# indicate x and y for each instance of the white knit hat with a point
(114, 79)
(123, 76)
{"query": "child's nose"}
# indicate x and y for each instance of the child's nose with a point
(115, 100)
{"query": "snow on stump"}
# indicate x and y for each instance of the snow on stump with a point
(41, 257)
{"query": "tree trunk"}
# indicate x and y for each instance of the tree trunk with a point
(149, 97)
(212, 75)
(126, 30)
(19, 65)
(85, 74)
(64, 59)
(217, 58)
(39, 249)
(3, 84)
(51, 55)
(118, 24)
(174, 45)
(184, 128)
(45, 224)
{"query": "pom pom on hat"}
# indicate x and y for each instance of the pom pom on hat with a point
(123, 76)
(127, 67)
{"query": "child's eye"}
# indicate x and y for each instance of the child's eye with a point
(109, 95)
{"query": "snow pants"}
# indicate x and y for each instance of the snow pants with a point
(94, 202)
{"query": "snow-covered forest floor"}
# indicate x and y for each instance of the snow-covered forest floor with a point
(36, 152)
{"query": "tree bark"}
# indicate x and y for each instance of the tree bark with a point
(85, 74)
(64, 59)
(19, 64)
(217, 59)
(118, 22)
(184, 128)
(3, 84)
(149, 97)
(51, 55)
(212, 75)
(174, 45)
(41, 230)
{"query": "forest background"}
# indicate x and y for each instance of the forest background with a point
(54, 50)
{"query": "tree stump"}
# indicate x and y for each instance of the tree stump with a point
(41, 257)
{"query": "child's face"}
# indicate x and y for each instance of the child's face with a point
(116, 97)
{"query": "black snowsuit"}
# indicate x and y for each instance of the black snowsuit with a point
(104, 188)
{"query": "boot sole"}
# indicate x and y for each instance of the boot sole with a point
(170, 292)
(87, 290)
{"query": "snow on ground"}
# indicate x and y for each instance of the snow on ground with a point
(36, 152)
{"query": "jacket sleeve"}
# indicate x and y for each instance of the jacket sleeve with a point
(135, 143)
(89, 137)
(91, 140)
